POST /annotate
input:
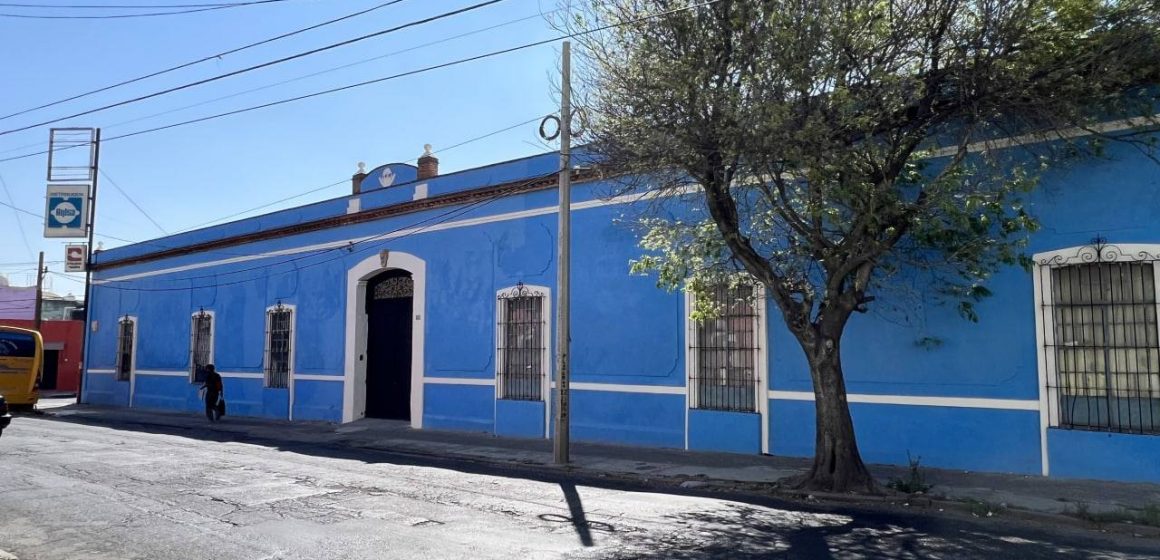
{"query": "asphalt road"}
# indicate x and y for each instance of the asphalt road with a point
(69, 490)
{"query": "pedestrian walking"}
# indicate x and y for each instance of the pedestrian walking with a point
(214, 394)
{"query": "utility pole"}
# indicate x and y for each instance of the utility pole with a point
(38, 314)
(563, 271)
(88, 310)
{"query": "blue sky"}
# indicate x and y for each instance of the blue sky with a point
(193, 174)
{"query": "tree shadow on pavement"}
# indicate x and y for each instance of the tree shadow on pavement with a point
(743, 532)
(731, 524)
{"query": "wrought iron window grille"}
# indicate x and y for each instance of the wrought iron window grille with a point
(1101, 334)
(522, 353)
(200, 345)
(126, 332)
(724, 351)
(279, 336)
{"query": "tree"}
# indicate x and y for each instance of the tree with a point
(835, 144)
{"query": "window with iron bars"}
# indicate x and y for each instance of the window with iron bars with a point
(724, 352)
(1106, 353)
(279, 337)
(200, 345)
(126, 331)
(522, 354)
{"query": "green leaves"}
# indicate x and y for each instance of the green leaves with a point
(843, 145)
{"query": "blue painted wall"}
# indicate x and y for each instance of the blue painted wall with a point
(957, 438)
(1102, 455)
(625, 330)
(735, 432)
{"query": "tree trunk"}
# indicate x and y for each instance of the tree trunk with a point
(837, 465)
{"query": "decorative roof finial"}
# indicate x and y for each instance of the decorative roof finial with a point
(426, 149)
(362, 167)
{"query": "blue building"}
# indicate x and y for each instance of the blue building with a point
(429, 298)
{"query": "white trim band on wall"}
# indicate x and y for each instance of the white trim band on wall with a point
(460, 381)
(237, 375)
(318, 377)
(101, 371)
(615, 388)
(159, 373)
(909, 400)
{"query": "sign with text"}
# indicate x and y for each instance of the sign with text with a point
(75, 257)
(66, 211)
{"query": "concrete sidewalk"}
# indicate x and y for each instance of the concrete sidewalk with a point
(982, 494)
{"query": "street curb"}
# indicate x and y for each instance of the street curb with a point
(917, 503)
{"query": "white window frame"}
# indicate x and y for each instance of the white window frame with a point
(760, 357)
(546, 344)
(1044, 324)
(293, 309)
(132, 319)
(193, 334)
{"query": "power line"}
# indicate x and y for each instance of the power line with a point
(291, 80)
(385, 78)
(345, 181)
(349, 248)
(310, 191)
(204, 59)
(147, 14)
(19, 222)
(267, 64)
(129, 6)
(303, 77)
(133, 202)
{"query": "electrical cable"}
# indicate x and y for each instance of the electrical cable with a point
(133, 202)
(131, 6)
(19, 222)
(299, 78)
(349, 249)
(266, 64)
(344, 181)
(382, 79)
(217, 56)
(147, 14)
(310, 191)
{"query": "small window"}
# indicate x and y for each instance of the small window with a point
(279, 337)
(724, 352)
(522, 354)
(126, 333)
(200, 345)
(1107, 353)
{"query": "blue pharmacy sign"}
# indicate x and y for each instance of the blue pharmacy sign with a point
(66, 211)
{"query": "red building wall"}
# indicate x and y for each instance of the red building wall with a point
(65, 336)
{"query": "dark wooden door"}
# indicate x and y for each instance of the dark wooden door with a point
(390, 298)
(49, 372)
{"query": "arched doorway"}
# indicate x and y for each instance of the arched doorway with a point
(389, 309)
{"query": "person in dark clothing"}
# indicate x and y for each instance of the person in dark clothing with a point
(213, 392)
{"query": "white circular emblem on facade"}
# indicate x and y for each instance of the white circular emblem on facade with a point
(386, 177)
(65, 213)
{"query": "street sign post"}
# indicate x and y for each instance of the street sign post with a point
(66, 211)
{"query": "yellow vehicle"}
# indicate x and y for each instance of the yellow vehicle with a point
(21, 353)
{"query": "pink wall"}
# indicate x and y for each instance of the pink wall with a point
(17, 303)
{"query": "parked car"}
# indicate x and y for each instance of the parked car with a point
(5, 417)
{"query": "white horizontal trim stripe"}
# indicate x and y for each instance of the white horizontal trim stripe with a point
(311, 377)
(1101, 128)
(159, 373)
(459, 381)
(617, 388)
(953, 402)
(623, 199)
(238, 375)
